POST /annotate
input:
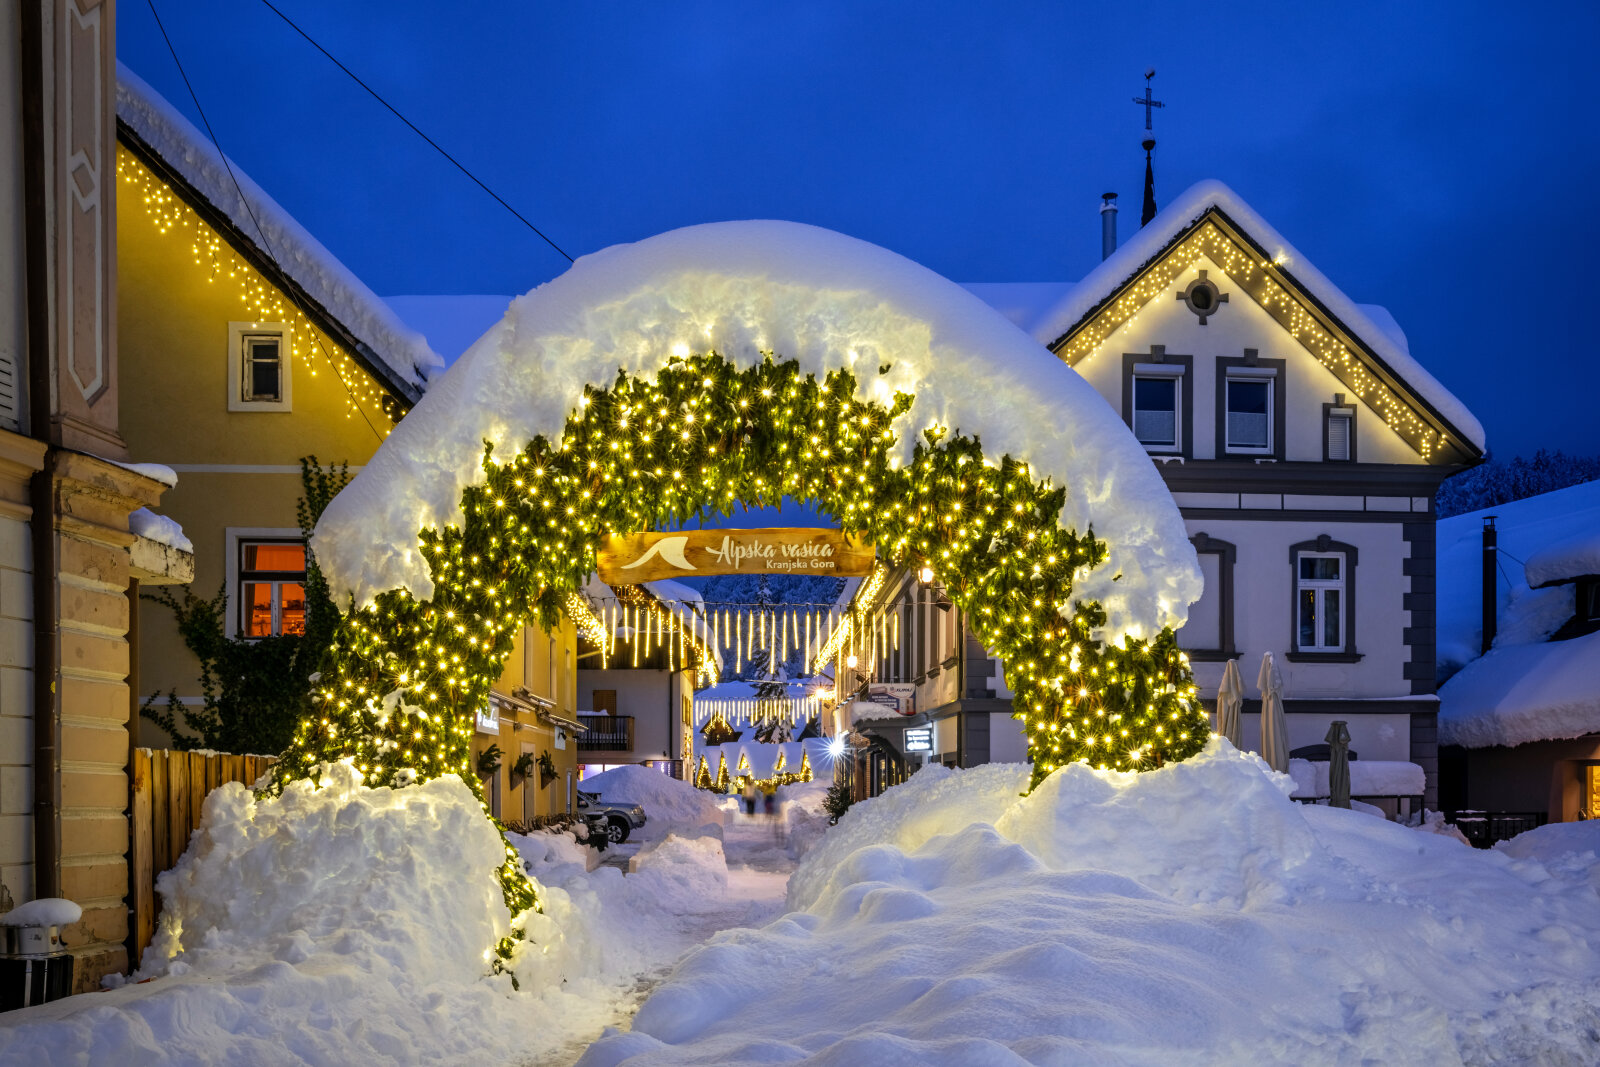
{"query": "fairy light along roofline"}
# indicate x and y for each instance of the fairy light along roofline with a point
(401, 395)
(1345, 353)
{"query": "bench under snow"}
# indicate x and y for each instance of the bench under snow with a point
(1368, 778)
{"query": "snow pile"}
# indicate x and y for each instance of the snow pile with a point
(159, 528)
(1569, 848)
(683, 873)
(301, 256)
(800, 808)
(807, 294)
(1576, 557)
(1192, 914)
(668, 803)
(1523, 693)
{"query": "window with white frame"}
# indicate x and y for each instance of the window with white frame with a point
(1158, 411)
(1320, 602)
(271, 587)
(1248, 411)
(259, 376)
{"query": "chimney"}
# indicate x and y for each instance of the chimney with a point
(1108, 224)
(1491, 574)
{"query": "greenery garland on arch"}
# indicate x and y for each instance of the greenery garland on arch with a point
(701, 438)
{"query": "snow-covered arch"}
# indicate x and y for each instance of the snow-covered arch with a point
(804, 293)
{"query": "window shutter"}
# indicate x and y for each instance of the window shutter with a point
(1339, 436)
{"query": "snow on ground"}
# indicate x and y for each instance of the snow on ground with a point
(1192, 914)
(348, 925)
(744, 288)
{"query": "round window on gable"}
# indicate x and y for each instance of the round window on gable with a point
(1203, 297)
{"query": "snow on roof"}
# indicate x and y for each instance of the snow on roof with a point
(1380, 331)
(1523, 693)
(667, 589)
(302, 257)
(1525, 529)
(808, 294)
(1566, 561)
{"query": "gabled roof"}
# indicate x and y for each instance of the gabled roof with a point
(1359, 347)
(324, 289)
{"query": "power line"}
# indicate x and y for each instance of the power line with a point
(267, 244)
(413, 127)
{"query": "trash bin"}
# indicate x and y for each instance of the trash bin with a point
(35, 966)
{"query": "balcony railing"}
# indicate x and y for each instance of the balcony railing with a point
(605, 733)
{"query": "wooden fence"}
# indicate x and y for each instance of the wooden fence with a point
(168, 790)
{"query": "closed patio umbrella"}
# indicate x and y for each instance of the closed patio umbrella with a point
(1230, 698)
(1338, 764)
(1274, 731)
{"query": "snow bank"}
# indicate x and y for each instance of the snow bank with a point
(1193, 914)
(684, 873)
(667, 802)
(161, 529)
(1523, 693)
(741, 288)
(1554, 841)
(1373, 325)
(302, 257)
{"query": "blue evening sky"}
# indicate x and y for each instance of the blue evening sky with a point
(1438, 158)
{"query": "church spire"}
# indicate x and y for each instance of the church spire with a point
(1149, 144)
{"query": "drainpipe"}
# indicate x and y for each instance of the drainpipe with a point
(1108, 224)
(1491, 574)
(36, 243)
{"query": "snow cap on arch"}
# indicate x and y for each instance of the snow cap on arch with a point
(803, 293)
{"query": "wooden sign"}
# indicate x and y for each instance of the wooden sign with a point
(803, 550)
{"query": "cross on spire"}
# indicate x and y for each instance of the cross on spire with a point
(1145, 99)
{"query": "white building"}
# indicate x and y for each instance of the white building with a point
(1303, 445)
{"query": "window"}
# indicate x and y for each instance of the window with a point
(1156, 400)
(550, 690)
(1338, 431)
(1320, 589)
(1155, 410)
(605, 701)
(1249, 407)
(1323, 613)
(272, 591)
(258, 367)
(1208, 633)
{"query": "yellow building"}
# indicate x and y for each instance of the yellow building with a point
(245, 346)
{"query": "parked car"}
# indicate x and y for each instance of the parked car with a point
(621, 819)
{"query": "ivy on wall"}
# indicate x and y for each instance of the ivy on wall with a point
(255, 691)
(700, 439)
